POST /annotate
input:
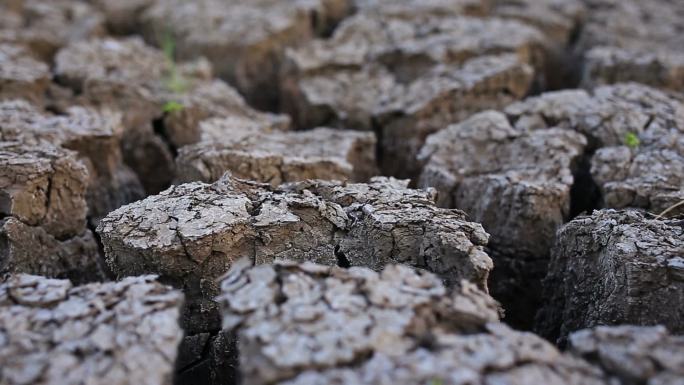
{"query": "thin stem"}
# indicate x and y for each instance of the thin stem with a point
(669, 209)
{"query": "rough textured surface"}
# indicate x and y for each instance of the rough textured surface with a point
(614, 267)
(43, 186)
(649, 175)
(527, 170)
(517, 182)
(412, 8)
(216, 100)
(32, 249)
(646, 173)
(43, 213)
(46, 26)
(123, 17)
(313, 324)
(277, 157)
(21, 76)
(244, 40)
(143, 82)
(558, 19)
(407, 78)
(631, 354)
(192, 233)
(112, 333)
(633, 40)
(94, 135)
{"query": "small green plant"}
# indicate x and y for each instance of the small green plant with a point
(174, 80)
(436, 381)
(172, 106)
(632, 140)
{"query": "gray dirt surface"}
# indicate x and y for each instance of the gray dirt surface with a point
(313, 324)
(611, 268)
(116, 333)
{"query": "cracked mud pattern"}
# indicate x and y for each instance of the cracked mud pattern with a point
(341, 192)
(22, 76)
(95, 136)
(194, 231)
(313, 324)
(137, 79)
(278, 157)
(244, 41)
(528, 169)
(631, 354)
(43, 213)
(44, 27)
(634, 41)
(52, 332)
(407, 81)
(615, 268)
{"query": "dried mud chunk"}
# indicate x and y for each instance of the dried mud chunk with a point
(215, 100)
(122, 73)
(412, 8)
(406, 114)
(635, 132)
(162, 102)
(43, 205)
(142, 82)
(614, 267)
(190, 228)
(548, 158)
(391, 223)
(440, 98)
(244, 41)
(94, 135)
(389, 74)
(610, 65)
(277, 157)
(122, 16)
(364, 327)
(113, 333)
(516, 182)
(402, 51)
(634, 41)
(32, 250)
(193, 232)
(417, 42)
(650, 178)
(558, 19)
(46, 26)
(328, 317)
(43, 186)
(21, 76)
(632, 354)
(646, 168)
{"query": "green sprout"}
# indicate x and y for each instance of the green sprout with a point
(172, 106)
(632, 140)
(436, 381)
(174, 80)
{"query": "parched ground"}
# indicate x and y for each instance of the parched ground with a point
(102, 333)
(350, 192)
